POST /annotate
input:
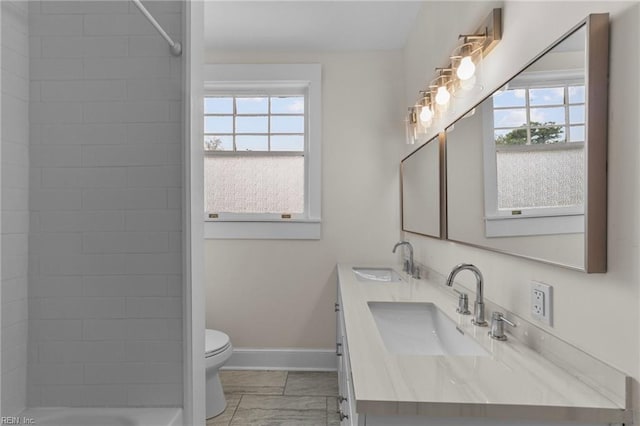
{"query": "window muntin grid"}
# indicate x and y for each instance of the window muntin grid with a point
(539, 115)
(255, 123)
(538, 154)
(255, 156)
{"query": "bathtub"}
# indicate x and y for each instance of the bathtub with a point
(101, 417)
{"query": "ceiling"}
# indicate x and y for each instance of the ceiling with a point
(308, 25)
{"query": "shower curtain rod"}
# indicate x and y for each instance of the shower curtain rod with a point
(176, 48)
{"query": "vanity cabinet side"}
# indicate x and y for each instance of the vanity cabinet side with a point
(346, 399)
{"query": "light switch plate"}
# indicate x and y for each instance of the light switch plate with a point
(541, 298)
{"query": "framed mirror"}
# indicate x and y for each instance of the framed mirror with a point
(526, 167)
(422, 181)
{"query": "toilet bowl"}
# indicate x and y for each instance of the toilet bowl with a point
(218, 349)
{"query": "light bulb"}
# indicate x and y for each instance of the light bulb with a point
(442, 95)
(466, 69)
(426, 115)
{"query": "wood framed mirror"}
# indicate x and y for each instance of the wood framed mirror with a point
(422, 182)
(526, 168)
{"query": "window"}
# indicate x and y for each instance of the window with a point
(262, 153)
(535, 155)
(254, 154)
(539, 115)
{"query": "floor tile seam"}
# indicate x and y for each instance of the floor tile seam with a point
(286, 381)
(289, 396)
(297, 410)
(325, 410)
(320, 395)
(235, 410)
(244, 390)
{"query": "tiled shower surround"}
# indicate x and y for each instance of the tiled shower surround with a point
(14, 217)
(105, 251)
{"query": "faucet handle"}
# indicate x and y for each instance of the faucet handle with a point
(463, 303)
(497, 326)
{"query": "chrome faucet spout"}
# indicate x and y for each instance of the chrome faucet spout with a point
(410, 268)
(478, 315)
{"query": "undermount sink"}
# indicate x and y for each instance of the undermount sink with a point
(376, 274)
(421, 329)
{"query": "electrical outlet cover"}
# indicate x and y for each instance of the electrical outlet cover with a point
(541, 295)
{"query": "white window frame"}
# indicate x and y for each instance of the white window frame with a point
(530, 221)
(274, 78)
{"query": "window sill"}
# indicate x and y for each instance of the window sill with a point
(533, 225)
(244, 230)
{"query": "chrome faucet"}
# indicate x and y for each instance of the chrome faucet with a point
(478, 314)
(408, 267)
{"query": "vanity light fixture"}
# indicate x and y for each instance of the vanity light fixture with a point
(463, 60)
(466, 69)
(411, 126)
(471, 48)
(460, 73)
(443, 95)
(426, 112)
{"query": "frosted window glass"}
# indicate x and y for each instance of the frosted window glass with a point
(528, 179)
(241, 184)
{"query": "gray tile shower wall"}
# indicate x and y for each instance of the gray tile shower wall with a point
(14, 222)
(105, 192)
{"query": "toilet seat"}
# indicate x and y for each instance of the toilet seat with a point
(215, 342)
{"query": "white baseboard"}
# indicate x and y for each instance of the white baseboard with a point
(282, 359)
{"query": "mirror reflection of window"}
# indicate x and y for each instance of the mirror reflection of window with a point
(537, 137)
(516, 174)
(539, 141)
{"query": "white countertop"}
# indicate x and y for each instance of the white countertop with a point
(513, 382)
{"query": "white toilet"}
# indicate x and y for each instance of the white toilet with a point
(218, 349)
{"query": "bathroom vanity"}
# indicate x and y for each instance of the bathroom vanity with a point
(405, 358)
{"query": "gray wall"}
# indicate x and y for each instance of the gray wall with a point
(105, 192)
(14, 223)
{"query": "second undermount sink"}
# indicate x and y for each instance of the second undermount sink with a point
(376, 274)
(421, 329)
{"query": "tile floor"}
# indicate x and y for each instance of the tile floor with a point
(278, 398)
